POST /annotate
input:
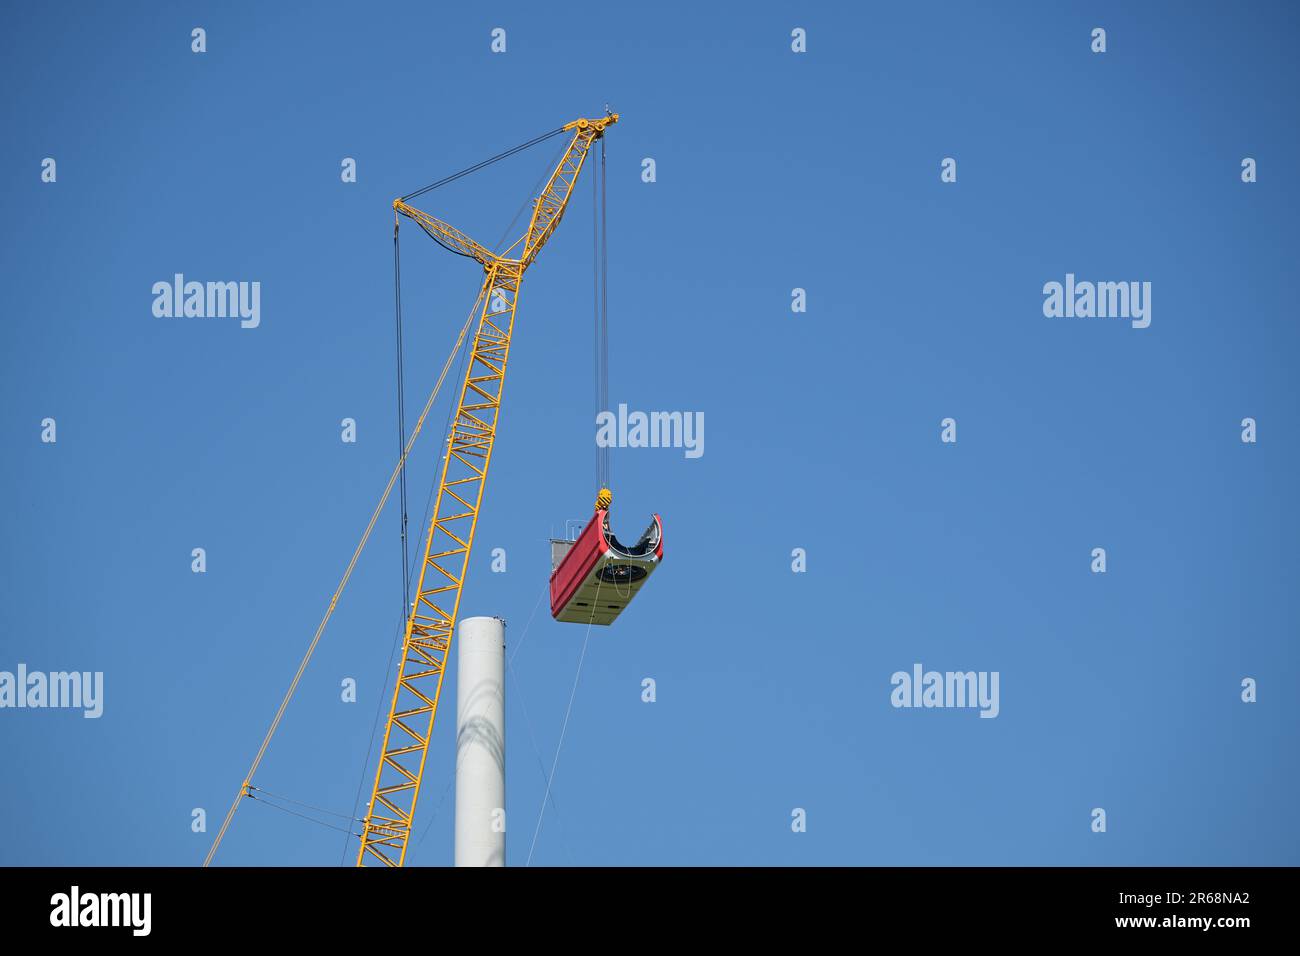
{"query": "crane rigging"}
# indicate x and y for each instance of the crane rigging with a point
(432, 611)
(426, 645)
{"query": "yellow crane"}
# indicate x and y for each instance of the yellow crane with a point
(426, 645)
(431, 617)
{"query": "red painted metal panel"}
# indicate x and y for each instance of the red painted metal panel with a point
(577, 564)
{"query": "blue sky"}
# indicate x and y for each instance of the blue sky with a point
(775, 170)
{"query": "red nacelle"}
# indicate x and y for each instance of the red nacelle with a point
(599, 576)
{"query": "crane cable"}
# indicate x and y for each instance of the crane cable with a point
(528, 722)
(347, 574)
(600, 256)
(408, 567)
(253, 791)
(600, 286)
(401, 412)
(528, 201)
(473, 169)
(295, 813)
(604, 304)
(487, 162)
(595, 604)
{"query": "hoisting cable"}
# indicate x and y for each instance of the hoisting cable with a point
(519, 646)
(401, 412)
(407, 569)
(600, 269)
(564, 726)
(595, 320)
(436, 810)
(600, 298)
(541, 765)
(528, 722)
(347, 574)
(487, 162)
(604, 307)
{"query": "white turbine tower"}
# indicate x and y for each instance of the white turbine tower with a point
(481, 743)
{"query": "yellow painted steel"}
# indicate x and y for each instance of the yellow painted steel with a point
(431, 623)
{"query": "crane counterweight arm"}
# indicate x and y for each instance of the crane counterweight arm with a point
(432, 617)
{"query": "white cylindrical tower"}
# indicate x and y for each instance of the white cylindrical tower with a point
(481, 743)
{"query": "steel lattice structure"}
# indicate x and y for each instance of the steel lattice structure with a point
(430, 625)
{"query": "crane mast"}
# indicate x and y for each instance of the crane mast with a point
(431, 619)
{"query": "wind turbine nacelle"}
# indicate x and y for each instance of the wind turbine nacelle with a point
(595, 577)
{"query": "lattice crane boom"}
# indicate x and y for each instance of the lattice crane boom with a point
(446, 235)
(431, 621)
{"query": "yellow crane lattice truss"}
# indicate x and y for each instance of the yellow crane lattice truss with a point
(426, 645)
